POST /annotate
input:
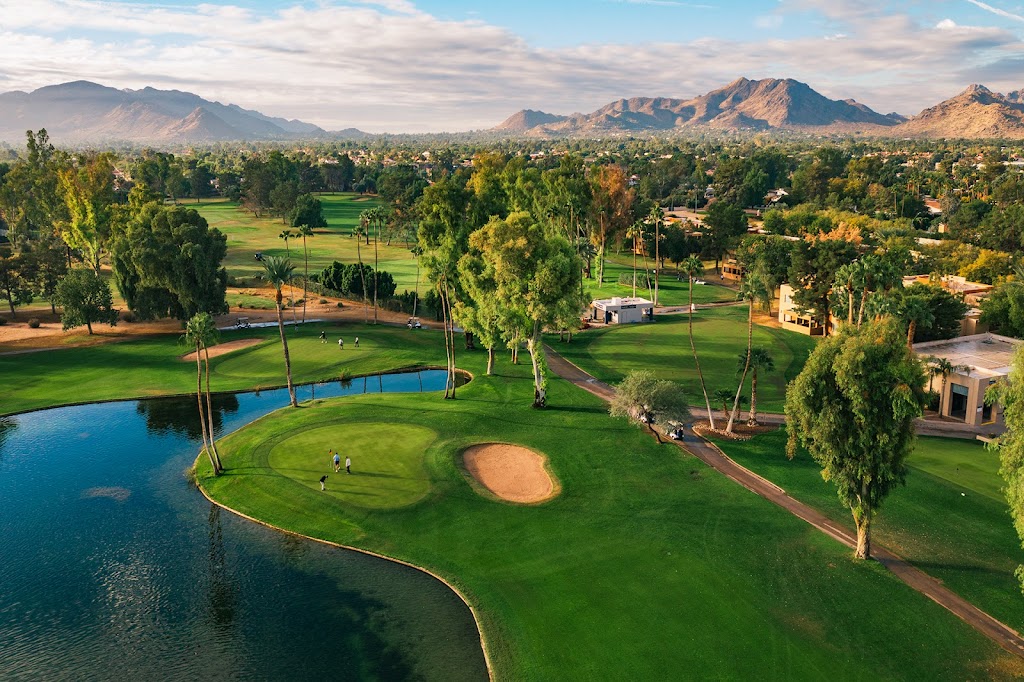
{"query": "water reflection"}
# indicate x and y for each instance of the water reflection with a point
(7, 425)
(180, 415)
(221, 590)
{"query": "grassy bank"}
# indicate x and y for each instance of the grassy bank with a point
(663, 347)
(151, 367)
(950, 519)
(647, 566)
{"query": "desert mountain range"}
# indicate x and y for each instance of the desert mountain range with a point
(81, 111)
(782, 104)
(84, 112)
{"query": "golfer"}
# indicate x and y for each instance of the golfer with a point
(337, 462)
(348, 465)
(341, 343)
(323, 481)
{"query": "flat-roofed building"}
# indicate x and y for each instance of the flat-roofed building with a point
(981, 360)
(732, 270)
(625, 310)
(803, 322)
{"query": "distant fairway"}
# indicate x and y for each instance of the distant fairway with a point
(248, 234)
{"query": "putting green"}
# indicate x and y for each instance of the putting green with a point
(387, 462)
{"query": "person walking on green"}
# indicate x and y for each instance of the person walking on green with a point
(337, 462)
(348, 465)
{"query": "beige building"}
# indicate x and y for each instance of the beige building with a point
(792, 319)
(732, 270)
(981, 360)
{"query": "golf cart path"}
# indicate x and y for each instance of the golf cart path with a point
(1000, 633)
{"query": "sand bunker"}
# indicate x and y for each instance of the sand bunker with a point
(223, 348)
(511, 472)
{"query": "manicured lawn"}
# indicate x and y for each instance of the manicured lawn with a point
(950, 519)
(149, 367)
(248, 234)
(720, 335)
(671, 291)
(647, 566)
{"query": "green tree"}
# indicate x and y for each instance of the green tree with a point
(760, 361)
(50, 266)
(650, 402)
(88, 193)
(308, 211)
(1010, 394)
(537, 274)
(813, 272)
(16, 277)
(279, 272)
(1003, 309)
(694, 268)
(724, 224)
(853, 407)
(200, 331)
(304, 231)
(84, 298)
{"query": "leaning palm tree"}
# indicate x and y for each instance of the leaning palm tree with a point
(753, 291)
(280, 271)
(694, 266)
(207, 328)
(760, 361)
(417, 251)
(657, 217)
(304, 231)
(194, 336)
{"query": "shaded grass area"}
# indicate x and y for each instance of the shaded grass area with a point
(671, 291)
(720, 335)
(149, 367)
(248, 234)
(648, 565)
(950, 520)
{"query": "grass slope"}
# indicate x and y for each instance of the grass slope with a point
(949, 520)
(648, 565)
(248, 234)
(720, 335)
(150, 367)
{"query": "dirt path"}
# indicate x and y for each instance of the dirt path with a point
(1000, 633)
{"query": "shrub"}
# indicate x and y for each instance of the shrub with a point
(128, 317)
(33, 322)
(340, 304)
(3, 321)
(642, 280)
(322, 301)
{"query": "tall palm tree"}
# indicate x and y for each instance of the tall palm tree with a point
(417, 251)
(280, 271)
(916, 311)
(304, 231)
(694, 266)
(359, 230)
(207, 327)
(753, 291)
(760, 361)
(636, 233)
(656, 216)
(286, 235)
(195, 336)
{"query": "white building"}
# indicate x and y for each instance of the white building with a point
(622, 310)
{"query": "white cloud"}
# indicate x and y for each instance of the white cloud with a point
(995, 10)
(385, 65)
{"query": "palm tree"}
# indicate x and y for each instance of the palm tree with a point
(723, 396)
(753, 291)
(286, 235)
(359, 230)
(636, 233)
(656, 216)
(760, 361)
(207, 327)
(694, 266)
(417, 251)
(194, 336)
(305, 231)
(280, 271)
(916, 311)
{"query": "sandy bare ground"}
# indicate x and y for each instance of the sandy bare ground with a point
(511, 472)
(223, 348)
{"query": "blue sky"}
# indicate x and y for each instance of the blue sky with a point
(425, 65)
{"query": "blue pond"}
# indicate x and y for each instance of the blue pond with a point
(113, 566)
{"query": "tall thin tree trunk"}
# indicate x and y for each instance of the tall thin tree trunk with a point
(862, 519)
(362, 277)
(746, 366)
(305, 280)
(209, 409)
(202, 417)
(533, 345)
(693, 347)
(911, 329)
(287, 358)
(752, 419)
(416, 294)
(657, 263)
(490, 360)
(634, 267)
(600, 264)
(448, 384)
(376, 238)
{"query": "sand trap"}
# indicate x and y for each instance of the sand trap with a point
(223, 348)
(511, 472)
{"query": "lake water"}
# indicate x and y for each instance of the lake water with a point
(112, 566)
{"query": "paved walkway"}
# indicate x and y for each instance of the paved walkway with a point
(998, 632)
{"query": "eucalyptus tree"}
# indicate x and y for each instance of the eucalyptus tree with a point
(279, 272)
(853, 407)
(648, 401)
(694, 267)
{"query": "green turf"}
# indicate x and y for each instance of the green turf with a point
(248, 234)
(149, 367)
(950, 519)
(387, 462)
(720, 335)
(647, 566)
(671, 291)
